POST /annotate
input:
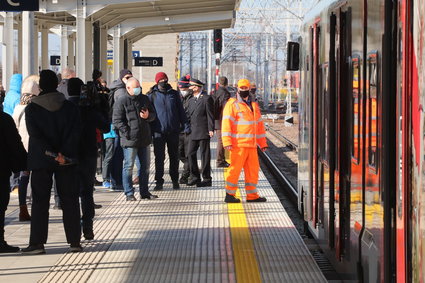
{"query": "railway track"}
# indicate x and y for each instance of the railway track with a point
(283, 139)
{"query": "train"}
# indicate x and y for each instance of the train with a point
(361, 171)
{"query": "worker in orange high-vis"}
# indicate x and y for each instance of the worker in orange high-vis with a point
(242, 130)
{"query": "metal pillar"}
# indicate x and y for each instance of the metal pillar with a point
(7, 49)
(36, 50)
(19, 66)
(71, 51)
(28, 58)
(96, 45)
(118, 51)
(64, 47)
(84, 50)
(190, 55)
(209, 61)
(103, 51)
(128, 54)
(44, 48)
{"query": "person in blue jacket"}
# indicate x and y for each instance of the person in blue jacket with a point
(13, 96)
(171, 119)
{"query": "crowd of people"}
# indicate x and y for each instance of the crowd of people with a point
(53, 127)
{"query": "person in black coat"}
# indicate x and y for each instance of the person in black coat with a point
(221, 96)
(131, 116)
(186, 94)
(201, 118)
(53, 125)
(13, 157)
(166, 128)
(94, 115)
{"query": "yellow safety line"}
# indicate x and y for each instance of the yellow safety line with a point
(246, 264)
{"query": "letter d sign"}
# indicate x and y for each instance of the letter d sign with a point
(19, 5)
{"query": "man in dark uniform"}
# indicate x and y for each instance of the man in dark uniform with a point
(201, 116)
(220, 98)
(186, 95)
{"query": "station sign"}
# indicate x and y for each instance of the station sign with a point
(136, 54)
(148, 61)
(55, 60)
(19, 5)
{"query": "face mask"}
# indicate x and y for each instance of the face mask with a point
(137, 91)
(244, 93)
(184, 93)
(253, 90)
(162, 84)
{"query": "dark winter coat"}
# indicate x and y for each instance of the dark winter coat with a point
(118, 89)
(201, 116)
(134, 130)
(13, 156)
(53, 124)
(171, 117)
(185, 101)
(91, 118)
(220, 99)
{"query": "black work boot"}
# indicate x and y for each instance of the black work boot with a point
(34, 249)
(158, 187)
(5, 248)
(183, 180)
(231, 199)
(260, 199)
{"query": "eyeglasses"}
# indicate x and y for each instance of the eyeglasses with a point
(127, 77)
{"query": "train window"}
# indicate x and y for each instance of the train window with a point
(356, 110)
(372, 85)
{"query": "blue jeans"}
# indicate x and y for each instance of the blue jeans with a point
(130, 154)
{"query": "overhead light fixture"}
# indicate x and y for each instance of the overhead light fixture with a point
(167, 19)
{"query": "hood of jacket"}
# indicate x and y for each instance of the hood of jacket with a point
(117, 84)
(52, 101)
(16, 83)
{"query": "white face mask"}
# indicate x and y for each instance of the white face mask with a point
(184, 93)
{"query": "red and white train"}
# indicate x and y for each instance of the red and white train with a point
(362, 136)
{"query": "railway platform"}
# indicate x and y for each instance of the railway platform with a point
(187, 235)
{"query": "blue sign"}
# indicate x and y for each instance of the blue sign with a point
(136, 54)
(18, 5)
(110, 55)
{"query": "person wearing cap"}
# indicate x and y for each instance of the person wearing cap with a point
(201, 117)
(242, 131)
(221, 97)
(171, 119)
(53, 125)
(186, 95)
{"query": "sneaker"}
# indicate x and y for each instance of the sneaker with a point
(183, 180)
(193, 182)
(5, 248)
(223, 165)
(34, 250)
(97, 206)
(106, 184)
(149, 197)
(158, 187)
(131, 198)
(75, 248)
(231, 199)
(176, 185)
(260, 199)
(207, 183)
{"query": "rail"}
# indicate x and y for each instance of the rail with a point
(283, 139)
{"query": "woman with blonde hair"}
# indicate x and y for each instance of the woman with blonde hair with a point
(30, 89)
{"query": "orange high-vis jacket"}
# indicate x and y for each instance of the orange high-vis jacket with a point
(242, 127)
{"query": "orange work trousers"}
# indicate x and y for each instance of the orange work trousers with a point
(246, 158)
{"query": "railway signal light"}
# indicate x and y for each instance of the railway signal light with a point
(218, 41)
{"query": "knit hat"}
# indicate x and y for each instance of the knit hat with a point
(184, 82)
(96, 74)
(48, 81)
(125, 72)
(161, 76)
(74, 86)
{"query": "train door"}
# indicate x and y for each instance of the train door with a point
(342, 153)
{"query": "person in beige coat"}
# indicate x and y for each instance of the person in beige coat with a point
(29, 90)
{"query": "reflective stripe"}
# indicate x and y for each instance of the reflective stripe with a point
(237, 105)
(229, 117)
(251, 184)
(230, 192)
(227, 134)
(244, 122)
(231, 184)
(254, 191)
(261, 136)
